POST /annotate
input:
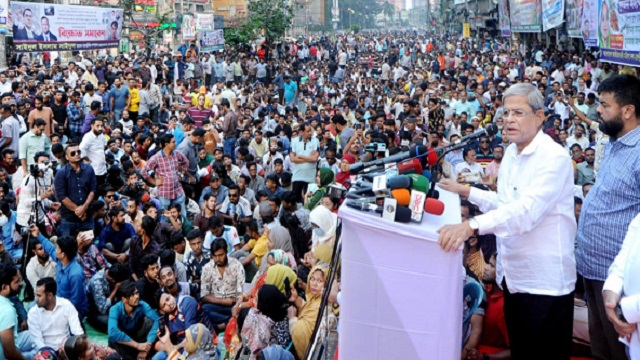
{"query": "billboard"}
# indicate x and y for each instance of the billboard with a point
(188, 27)
(211, 40)
(618, 39)
(573, 15)
(204, 21)
(525, 16)
(504, 23)
(589, 23)
(4, 15)
(552, 14)
(50, 27)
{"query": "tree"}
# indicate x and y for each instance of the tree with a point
(129, 8)
(240, 33)
(387, 10)
(273, 17)
(365, 12)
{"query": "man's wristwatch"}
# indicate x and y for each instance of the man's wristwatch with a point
(475, 225)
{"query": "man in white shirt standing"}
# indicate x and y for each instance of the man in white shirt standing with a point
(54, 318)
(533, 219)
(92, 149)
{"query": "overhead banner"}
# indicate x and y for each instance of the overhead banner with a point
(466, 30)
(188, 28)
(204, 21)
(50, 27)
(619, 35)
(4, 16)
(525, 16)
(552, 13)
(573, 15)
(589, 23)
(504, 23)
(211, 40)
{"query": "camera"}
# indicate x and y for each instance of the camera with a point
(34, 169)
(139, 184)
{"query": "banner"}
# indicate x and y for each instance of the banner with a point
(211, 40)
(50, 27)
(204, 21)
(589, 23)
(466, 30)
(188, 28)
(4, 15)
(504, 24)
(525, 16)
(573, 15)
(552, 13)
(617, 37)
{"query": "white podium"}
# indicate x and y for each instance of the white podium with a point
(401, 294)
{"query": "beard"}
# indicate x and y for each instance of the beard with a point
(223, 263)
(612, 127)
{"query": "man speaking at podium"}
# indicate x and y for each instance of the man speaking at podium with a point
(533, 219)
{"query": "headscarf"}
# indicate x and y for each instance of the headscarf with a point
(324, 252)
(199, 343)
(326, 177)
(343, 176)
(280, 238)
(274, 352)
(276, 275)
(302, 329)
(272, 303)
(325, 220)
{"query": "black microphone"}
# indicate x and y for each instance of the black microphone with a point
(417, 151)
(403, 213)
(490, 130)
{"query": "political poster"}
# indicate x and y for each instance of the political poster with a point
(552, 14)
(573, 16)
(619, 31)
(589, 23)
(504, 23)
(525, 16)
(466, 30)
(4, 15)
(211, 40)
(49, 27)
(204, 21)
(188, 27)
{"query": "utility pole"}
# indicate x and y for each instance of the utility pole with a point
(3, 51)
(428, 15)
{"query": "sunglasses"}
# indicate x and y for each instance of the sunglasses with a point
(75, 152)
(484, 142)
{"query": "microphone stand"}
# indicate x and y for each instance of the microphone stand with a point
(450, 148)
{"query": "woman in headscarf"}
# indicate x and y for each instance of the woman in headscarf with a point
(303, 324)
(324, 224)
(280, 237)
(76, 348)
(344, 175)
(324, 178)
(199, 344)
(257, 331)
(274, 352)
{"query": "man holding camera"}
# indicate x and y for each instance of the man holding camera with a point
(36, 190)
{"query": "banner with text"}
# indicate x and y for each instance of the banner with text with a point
(204, 21)
(49, 27)
(619, 31)
(211, 40)
(504, 23)
(552, 14)
(573, 15)
(589, 23)
(4, 15)
(525, 16)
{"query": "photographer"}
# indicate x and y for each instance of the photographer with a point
(40, 177)
(134, 187)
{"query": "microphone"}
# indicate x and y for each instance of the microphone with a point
(490, 130)
(415, 152)
(403, 214)
(433, 206)
(412, 166)
(419, 182)
(403, 196)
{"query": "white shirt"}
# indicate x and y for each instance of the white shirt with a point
(6, 87)
(533, 219)
(36, 271)
(623, 280)
(474, 168)
(583, 142)
(49, 328)
(230, 234)
(242, 208)
(88, 99)
(92, 147)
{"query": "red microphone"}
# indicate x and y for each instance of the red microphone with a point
(433, 206)
(432, 158)
(413, 166)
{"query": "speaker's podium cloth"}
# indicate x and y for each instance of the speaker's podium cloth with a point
(401, 295)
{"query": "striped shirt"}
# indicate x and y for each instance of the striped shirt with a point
(199, 115)
(612, 203)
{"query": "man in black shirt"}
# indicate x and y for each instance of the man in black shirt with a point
(59, 108)
(148, 284)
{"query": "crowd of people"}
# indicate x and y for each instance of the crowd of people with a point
(170, 197)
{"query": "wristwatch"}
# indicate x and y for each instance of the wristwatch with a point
(475, 225)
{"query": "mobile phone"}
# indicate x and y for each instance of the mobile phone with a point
(472, 178)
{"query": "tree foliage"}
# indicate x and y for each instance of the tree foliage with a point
(240, 33)
(272, 17)
(364, 12)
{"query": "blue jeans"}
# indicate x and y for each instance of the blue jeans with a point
(67, 227)
(117, 115)
(179, 200)
(26, 345)
(218, 314)
(229, 147)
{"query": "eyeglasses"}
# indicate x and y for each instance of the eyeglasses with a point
(518, 114)
(484, 141)
(75, 152)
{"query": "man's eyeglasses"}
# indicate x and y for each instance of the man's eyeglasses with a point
(518, 114)
(484, 141)
(75, 152)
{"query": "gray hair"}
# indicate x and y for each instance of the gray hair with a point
(530, 91)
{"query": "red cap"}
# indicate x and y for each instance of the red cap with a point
(145, 198)
(433, 206)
